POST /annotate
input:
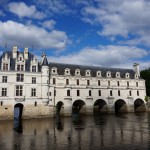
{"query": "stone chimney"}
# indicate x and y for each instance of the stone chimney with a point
(14, 51)
(136, 68)
(26, 53)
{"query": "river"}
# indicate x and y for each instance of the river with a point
(104, 132)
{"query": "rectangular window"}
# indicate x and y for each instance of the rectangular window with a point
(78, 93)
(20, 78)
(137, 93)
(54, 81)
(137, 84)
(4, 79)
(77, 81)
(19, 90)
(99, 92)
(111, 93)
(88, 82)
(33, 80)
(5, 66)
(108, 83)
(99, 82)
(118, 83)
(118, 93)
(20, 67)
(68, 92)
(33, 68)
(67, 81)
(33, 92)
(54, 92)
(90, 93)
(4, 91)
(127, 83)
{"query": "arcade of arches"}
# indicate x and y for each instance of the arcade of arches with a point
(100, 106)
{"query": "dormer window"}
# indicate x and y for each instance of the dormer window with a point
(20, 58)
(98, 73)
(33, 68)
(127, 75)
(77, 72)
(54, 70)
(108, 74)
(88, 73)
(5, 66)
(20, 67)
(117, 74)
(67, 71)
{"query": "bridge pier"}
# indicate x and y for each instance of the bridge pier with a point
(68, 108)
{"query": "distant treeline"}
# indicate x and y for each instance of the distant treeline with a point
(145, 74)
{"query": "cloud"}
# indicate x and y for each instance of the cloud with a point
(49, 24)
(108, 56)
(30, 35)
(124, 18)
(22, 10)
(55, 6)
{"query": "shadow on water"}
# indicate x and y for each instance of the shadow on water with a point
(18, 125)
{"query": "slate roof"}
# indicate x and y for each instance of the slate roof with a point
(45, 62)
(61, 69)
(13, 60)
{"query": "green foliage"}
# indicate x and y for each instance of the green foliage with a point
(146, 98)
(145, 74)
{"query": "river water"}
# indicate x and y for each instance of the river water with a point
(104, 132)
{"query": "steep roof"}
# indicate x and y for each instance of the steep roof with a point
(45, 62)
(13, 60)
(61, 68)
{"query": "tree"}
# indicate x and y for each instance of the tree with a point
(145, 74)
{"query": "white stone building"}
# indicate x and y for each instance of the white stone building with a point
(37, 89)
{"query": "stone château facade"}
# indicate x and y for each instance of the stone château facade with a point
(40, 89)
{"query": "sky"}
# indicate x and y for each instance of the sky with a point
(108, 33)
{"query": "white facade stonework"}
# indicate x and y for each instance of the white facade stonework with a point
(42, 89)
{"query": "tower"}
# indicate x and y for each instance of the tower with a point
(45, 80)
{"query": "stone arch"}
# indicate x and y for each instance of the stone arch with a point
(100, 106)
(79, 107)
(120, 106)
(139, 105)
(60, 108)
(18, 111)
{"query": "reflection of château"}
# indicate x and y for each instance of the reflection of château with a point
(37, 89)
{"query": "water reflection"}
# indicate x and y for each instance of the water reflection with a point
(127, 131)
(18, 125)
